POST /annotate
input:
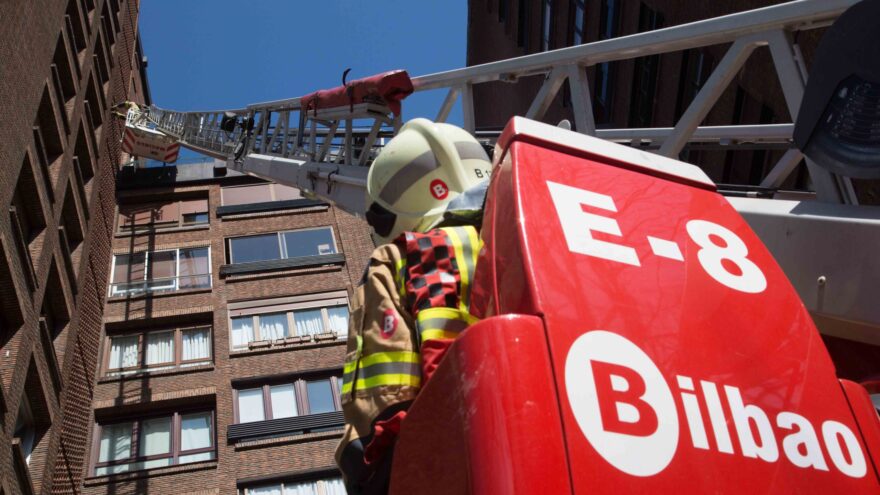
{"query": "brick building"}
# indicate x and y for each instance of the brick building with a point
(63, 63)
(649, 91)
(225, 327)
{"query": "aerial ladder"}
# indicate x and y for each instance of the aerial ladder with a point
(640, 331)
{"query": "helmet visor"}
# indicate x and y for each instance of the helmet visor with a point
(380, 219)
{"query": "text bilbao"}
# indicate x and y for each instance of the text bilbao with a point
(621, 400)
(627, 411)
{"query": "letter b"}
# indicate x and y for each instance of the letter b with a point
(620, 401)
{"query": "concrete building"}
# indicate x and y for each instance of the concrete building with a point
(63, 64)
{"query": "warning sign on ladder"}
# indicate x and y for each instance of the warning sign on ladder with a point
(148, 143)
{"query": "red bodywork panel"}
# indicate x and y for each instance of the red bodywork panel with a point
(674, 354)
(388, 88)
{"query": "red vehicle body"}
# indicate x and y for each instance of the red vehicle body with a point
(636, 337)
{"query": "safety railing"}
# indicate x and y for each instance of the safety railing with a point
(773, 27)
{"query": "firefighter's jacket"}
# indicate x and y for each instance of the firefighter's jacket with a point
(416, 290)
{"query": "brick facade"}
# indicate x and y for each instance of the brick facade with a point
(753, 97)
(238, 463)
(63, 64)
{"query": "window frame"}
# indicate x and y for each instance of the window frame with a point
(169, 224)
(145, 287)
(266, 307)
(175, 451)
(273, 194)
(318, 490)
(300, 392)
(177, 364)
(282, 243)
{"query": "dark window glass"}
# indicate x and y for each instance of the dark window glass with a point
(546, 25)
(609, 17)
(309, 242)
(320, 396)
(255, 248)
(645, 74)
(577, 27)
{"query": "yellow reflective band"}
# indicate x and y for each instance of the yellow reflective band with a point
(349, 366)
(463, 264)
(390, 357)
(400, 277)
(447, 314)
(386, 380)
(438, 334)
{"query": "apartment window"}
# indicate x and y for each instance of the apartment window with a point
(158, 350)
(281, 245)
(257, 193)
(523, 23)
(577, 26)
(328, 486)
(300, 397)
(645, 74)
(178, 438)
(695, 69)
(25, 430)
(609, 19)
(546, 24)
(161, 271)
(303, 321)
(163, 215)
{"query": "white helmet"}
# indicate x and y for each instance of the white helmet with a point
(418, 173)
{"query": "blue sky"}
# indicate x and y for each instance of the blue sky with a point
(218, 54)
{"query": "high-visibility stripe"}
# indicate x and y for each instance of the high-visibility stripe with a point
(473, 252)
(384, 380)
(437, 335)
(465, 243)
(400, 277)
(384, 369)
(374, 366)
(442, 323)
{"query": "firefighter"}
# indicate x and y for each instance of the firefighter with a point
(122, 109)
(425, 194)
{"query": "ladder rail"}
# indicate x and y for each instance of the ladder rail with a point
(299, 145)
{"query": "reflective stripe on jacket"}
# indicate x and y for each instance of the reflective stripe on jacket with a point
(415, 289)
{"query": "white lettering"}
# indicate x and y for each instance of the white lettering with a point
(577, 224)
(692, 412)
(804, 436)
(716, 417)
(832, 433)
(743, 415)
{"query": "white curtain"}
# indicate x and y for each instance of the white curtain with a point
(250, 405)
(273, 326)
(155, 437)
(334, 486)
(265, 490)
(195, 431)
(196, 344)
(339, 320)
(123, 352)
(242, 331)
(307, 488)
(308, 322)
(283, 401)
(115, 442)
(160, 347)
